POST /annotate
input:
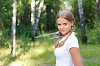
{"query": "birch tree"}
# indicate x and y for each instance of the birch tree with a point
(35, 24)
(84, 38)
(39, 13)
(98, 14)
(33, 17)
(14, 28)
(98, 8)
(0, 30)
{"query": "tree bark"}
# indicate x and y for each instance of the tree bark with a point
(98, 8)
(84, 38)
(98, 14)
(48, 16)
(33, 17)
(0, 31)
(35, 25)
(14, 28)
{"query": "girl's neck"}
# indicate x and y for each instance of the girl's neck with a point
(67, 34)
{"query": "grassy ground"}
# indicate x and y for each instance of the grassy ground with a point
(90, 54)
(40, 53)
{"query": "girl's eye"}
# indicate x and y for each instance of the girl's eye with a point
(58, 24)
(65, 24)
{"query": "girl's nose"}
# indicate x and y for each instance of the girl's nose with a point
(61, 27)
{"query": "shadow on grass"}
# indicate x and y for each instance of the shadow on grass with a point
(44, 59)
(8, 59)
(47, 58)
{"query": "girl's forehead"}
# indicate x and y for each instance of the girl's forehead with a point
(62, 20)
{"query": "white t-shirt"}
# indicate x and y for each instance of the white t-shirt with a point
(63, 56)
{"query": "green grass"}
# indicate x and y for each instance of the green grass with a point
(90, 54)
(28, 53)
(40, 53)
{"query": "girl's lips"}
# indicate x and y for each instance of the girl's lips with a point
(62, 30)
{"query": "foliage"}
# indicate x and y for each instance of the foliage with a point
(6, 13)
(23, 18)
(48, 16)
(47, 19)
(94, 34)
(5, 21)
(89, 10)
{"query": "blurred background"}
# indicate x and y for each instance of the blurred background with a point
(28, 31)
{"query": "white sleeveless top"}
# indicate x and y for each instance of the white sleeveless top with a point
(63, 56)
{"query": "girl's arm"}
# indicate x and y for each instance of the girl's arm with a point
(75, 53)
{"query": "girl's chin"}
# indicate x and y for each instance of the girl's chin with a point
(63, 33)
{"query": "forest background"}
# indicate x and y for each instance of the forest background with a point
(28, 48)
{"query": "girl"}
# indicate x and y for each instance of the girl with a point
(66, 48)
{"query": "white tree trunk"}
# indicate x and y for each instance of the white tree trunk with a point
(14, 28)
(84, 38)
(98, 14)
(0, 30)
(39, 13)
(33, 16)
(98, 8)
(35, 25)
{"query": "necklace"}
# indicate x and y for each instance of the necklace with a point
(62, 41)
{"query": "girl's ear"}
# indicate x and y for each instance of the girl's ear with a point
(72, 24)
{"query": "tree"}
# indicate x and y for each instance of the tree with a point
(33, 17)
(14, 28)
(98, 8)
(0, 31)
(1, 8)
(35, 24)
(84, 38)
(98, 15)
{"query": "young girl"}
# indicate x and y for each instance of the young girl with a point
(66, 48)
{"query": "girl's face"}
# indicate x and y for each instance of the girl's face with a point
(64, 25)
